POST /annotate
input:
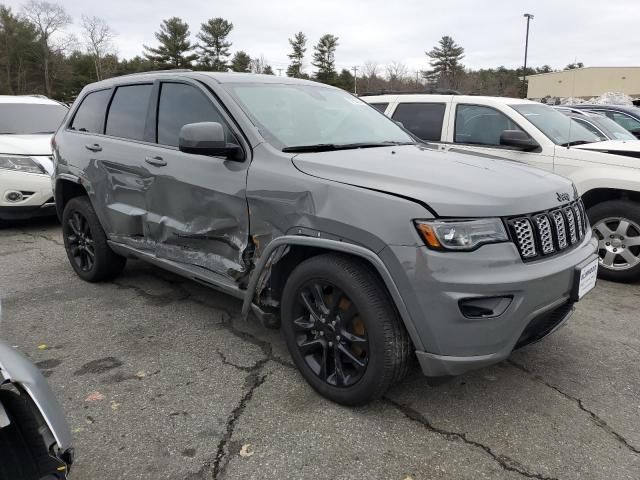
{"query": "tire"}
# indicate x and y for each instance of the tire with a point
(86, 243)
(344, 285)
(623, 242)
(23, 453)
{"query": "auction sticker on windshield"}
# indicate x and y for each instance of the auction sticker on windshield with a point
(586, 277)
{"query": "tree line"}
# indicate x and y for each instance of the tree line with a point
(39, 56)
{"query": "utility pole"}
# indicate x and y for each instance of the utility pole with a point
(526, 49)
(280, 71)
(355, 79)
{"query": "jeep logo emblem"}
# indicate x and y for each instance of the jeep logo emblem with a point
(563, 197)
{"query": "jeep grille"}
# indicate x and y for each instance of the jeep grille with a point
(547, 233)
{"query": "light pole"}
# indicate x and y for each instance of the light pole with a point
(526, 48)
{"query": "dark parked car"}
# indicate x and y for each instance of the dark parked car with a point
(598, 124)
(627, 116)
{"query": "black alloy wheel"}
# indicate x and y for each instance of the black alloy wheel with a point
(80, 241)
(330, 334)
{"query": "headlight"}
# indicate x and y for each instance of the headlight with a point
(461, 234)
(20, 164)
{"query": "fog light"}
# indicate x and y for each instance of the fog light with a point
(13, 196)
(484, 307)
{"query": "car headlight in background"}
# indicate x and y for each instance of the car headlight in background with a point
(20, 164)
(461, 234)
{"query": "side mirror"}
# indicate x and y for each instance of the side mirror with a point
(208, 138)
(518, 139)
(399, 123)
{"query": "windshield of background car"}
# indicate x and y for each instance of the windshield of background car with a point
(617, 131)
(304, 115)
(30, 118)
(560, 129)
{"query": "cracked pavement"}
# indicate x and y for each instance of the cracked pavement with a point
(187, 384)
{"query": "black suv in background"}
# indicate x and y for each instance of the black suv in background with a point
(626, 116)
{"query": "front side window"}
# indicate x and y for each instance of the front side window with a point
(128, 112)
(480, 125)
(179, 105)
(559, 128)
(424, 120)
(616, 130)
(90, 114)
(592, 128)
(296, 115)
(30, 118)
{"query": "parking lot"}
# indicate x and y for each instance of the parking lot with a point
(160, 378)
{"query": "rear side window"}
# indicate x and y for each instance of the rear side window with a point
(91, 112)
(128, 112)
(424, 120)
(381, 107)
(181, 104)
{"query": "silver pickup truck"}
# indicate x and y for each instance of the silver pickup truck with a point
(325, 217)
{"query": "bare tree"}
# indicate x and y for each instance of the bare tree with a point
(396, 73)
(370, 69)
(48, 19)
(98, 37)
(258, 64)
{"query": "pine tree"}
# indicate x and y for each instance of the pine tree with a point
(299, 47)
(268, 70)
(345, 80)
(446, 63)
(214, 47)
(324, 59)
(241, 62)
(174, 45)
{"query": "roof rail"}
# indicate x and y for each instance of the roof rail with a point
(170, 70)
(428, 91)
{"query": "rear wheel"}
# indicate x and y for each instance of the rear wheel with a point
(23, 453)
(616, 224)
(86, 243)
(342, 330)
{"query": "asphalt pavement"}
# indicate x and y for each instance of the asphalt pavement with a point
(161, 379)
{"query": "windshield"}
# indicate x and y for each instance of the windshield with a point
(290, 115)
(30, 118)
(560, 129)
(617, 131)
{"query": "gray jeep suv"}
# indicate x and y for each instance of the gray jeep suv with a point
(324, 217)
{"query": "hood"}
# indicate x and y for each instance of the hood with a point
(26, 144)
(452, 183)
(612, 146)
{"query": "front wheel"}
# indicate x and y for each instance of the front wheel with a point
(86, 243)
(616, 224)
(342, 330)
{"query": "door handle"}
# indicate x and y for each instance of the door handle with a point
(156, 161)
(94, 147)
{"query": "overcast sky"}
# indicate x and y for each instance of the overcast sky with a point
(595, 32)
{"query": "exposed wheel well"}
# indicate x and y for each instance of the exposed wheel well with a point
(599, 195)
(65, 191)
(280, 271)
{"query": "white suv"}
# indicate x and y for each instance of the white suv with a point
(607, 174)
(27, 124)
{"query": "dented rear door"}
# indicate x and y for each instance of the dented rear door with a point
(196, 205)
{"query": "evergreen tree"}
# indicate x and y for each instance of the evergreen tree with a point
(324, 59)
(174, 45)
(299, 47)
(446, 63)
(241, 62)
(268, 70)
(18, 42)
(214, 47)
(573, 66)
(345, 80)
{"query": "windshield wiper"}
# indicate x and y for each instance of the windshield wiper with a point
(327, 147)
(576, 142)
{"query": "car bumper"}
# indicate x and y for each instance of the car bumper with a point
(17, 370)
(435, 285)
(37, 196)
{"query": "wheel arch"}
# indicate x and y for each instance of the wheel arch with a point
(598, 195)
(282, 255)
(66, 188)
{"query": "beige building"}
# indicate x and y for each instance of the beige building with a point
(585, 82)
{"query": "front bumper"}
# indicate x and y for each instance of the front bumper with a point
(433, 284)
(37, 195)
(17, 370)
